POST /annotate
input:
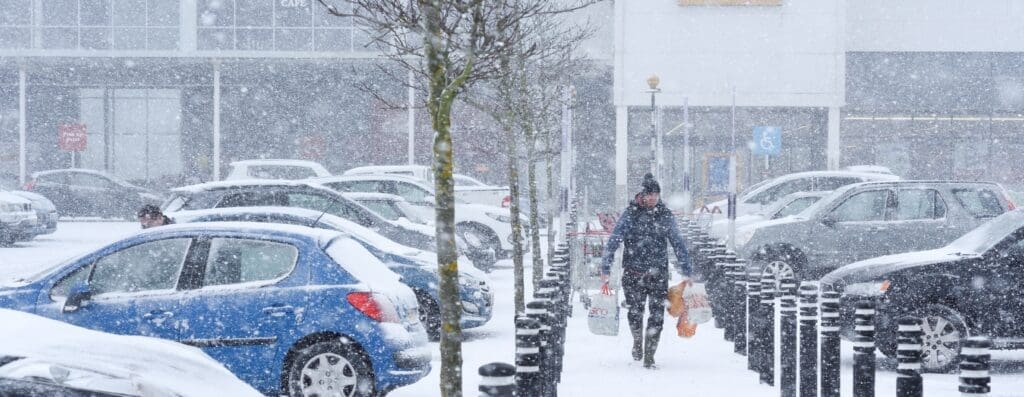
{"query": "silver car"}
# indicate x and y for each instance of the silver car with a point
(866, 220)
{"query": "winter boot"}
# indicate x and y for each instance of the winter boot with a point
(638, 348)
(650, 346)
(638, 343)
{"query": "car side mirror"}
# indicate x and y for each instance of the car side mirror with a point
(78, 297)
(829, 220)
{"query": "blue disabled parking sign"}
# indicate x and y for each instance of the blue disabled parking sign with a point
(767, 141)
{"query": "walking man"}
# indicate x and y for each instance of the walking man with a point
(645, 229)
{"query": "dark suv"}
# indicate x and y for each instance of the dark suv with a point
(80, 192)
(973, 286)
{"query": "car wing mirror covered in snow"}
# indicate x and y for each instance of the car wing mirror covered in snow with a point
(78, 296)
(829, 220)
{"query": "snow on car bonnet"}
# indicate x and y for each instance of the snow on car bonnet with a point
(151, 362)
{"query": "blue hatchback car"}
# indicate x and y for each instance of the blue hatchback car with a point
(288, 309)
(416, 267)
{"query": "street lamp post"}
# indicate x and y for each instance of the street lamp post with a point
(653, 82)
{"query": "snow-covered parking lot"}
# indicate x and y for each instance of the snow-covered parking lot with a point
(594, 365)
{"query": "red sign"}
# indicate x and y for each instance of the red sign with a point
(71, 137)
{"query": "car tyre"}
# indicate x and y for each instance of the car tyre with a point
(330, 368)
(942, 330)
(486, 236)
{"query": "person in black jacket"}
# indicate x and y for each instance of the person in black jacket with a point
(151, 216)
(645, 229)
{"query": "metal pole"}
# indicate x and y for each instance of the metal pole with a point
(732, 177)
(808, 363)
(687, 194)
(22, 134)
(566, 167)
(864, 349)
(412, 118)
(216, 120)
(908, 357)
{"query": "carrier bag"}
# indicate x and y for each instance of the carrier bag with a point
(698, 309)
(603, 318)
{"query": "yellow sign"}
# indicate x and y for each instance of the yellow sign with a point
(730, 2)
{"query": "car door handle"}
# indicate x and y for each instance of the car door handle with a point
(157, 314)
(278, 310)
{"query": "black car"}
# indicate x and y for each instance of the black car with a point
(80, 192)
(282, 193)
(973, 286)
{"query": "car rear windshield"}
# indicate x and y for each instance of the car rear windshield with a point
(982, 203)
(280, 172)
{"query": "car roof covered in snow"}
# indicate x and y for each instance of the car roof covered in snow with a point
(321, 236)
(345, 225)
(242, 183)
(372, 196)
(372, 169)
(291, 162)
(374, 177)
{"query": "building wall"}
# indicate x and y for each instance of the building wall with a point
(787, 55)
(935, 26)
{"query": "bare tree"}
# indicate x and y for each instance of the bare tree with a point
(451, 44)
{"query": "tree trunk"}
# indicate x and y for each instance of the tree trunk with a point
(517, 225)
(549, 159)
(538, 261)
(439, 104)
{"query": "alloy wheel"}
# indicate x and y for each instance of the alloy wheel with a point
(328, 375)
(940, 342)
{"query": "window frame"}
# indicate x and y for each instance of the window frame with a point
(938, 200)
(886, 217)
(91, 265)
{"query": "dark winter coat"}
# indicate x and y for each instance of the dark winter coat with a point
(645, 233)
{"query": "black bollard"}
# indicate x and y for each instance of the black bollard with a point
(975, 362)
(767, 353)
(754, 325)
(908, 358)
(864, 349)
(527, 356)
(497, 380)
(830, 343)
(729, 303)
(538, 309)
(787, 338)
(808, 340)
(739, 290)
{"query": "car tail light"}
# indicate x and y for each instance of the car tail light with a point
(507, 201)
(1009, 201)
(373, 306)
(30, 184)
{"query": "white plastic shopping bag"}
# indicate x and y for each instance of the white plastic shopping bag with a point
(603, 318)
(698, 310)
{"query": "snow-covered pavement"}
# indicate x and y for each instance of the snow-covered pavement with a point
(594, 365)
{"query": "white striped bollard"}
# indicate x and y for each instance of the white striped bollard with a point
(753, 318)
(497, 380)
(739, 292)
(808, 340)
(975, 362)
(787, 338)
(864, 349)
(908, 358)
(538, 309)
(830, 374)
(527, 356)
(767, 334)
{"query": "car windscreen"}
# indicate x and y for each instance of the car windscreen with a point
(990, 233)
(795, 207)
(980, 202)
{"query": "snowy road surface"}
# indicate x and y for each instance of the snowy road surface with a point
(594, 365)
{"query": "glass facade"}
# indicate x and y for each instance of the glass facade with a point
(276, 25)
(90, 24)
